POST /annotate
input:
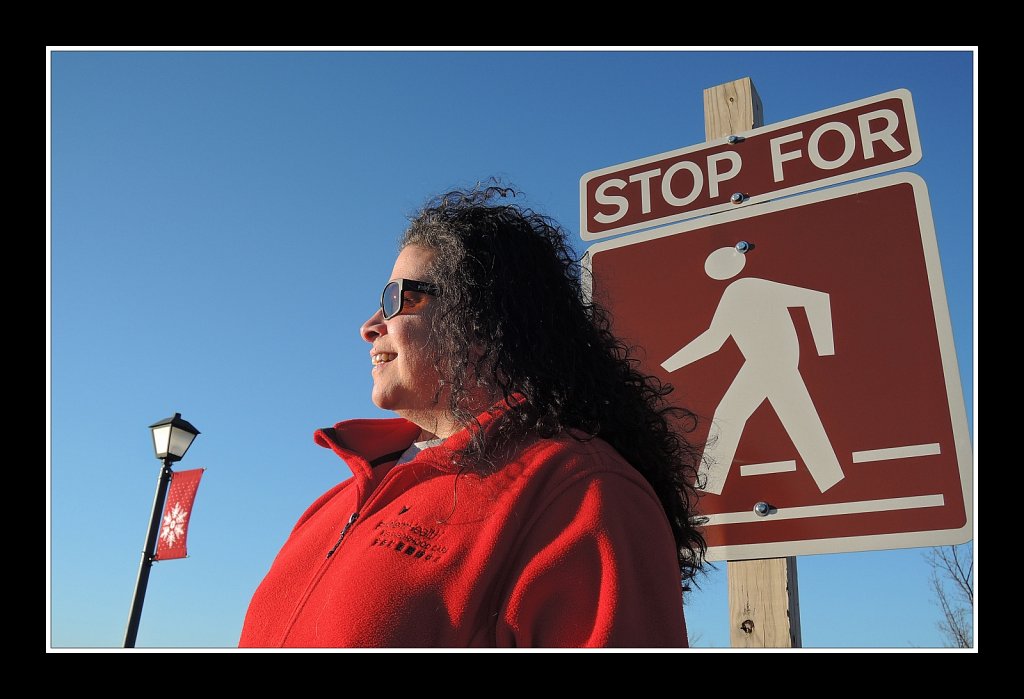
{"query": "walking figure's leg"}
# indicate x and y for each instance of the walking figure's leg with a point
(738, 404)
(796, 411)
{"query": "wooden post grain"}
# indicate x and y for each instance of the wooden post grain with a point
(764, 610)
(731, 108)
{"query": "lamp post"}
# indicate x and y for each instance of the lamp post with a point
(171, 439)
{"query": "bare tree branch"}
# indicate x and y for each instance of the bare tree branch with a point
(952, 584)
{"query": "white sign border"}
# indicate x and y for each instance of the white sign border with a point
(947, 351)
(910, 159)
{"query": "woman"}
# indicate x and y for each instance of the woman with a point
(534, 490)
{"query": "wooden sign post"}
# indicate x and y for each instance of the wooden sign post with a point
(764, 610)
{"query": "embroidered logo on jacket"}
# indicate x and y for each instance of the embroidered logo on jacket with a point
(409, 539)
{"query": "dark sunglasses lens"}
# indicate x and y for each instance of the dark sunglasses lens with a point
(391, 302)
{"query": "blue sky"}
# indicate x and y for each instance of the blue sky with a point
(221, 223)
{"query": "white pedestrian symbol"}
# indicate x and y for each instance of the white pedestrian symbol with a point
(755, 312)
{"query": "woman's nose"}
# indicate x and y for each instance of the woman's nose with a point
(374, 327)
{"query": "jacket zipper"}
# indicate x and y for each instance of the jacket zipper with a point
(323, 566)
(344, 531)
(355, 515)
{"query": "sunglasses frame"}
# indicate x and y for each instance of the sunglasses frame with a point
(403, 286)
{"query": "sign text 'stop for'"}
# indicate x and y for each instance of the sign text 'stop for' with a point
(854, 140)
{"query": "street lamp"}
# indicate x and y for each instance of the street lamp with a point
(171, 439)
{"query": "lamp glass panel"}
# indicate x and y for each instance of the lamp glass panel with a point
(180, 441)
(161, 438)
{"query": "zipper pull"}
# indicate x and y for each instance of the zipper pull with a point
(349, 523)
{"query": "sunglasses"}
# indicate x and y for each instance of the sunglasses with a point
(392, 301)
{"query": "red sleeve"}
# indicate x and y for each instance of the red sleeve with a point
(597, 569)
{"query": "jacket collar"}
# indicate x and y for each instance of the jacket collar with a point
(362, 442)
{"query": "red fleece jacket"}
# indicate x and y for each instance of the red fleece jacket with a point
(565, 545)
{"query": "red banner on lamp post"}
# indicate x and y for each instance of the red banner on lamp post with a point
(177, 513)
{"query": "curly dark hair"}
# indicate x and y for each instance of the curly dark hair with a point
(512, 317)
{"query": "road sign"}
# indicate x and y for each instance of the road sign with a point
(822, 360)
(867, 137)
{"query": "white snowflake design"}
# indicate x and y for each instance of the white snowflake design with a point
(174, 524)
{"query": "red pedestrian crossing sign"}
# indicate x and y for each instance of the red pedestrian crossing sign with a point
(812, 334)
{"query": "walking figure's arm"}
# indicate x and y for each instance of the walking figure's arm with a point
(819, 316)
(708, 342)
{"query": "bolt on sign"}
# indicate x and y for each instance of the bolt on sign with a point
(862, 138)
(812, 335)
